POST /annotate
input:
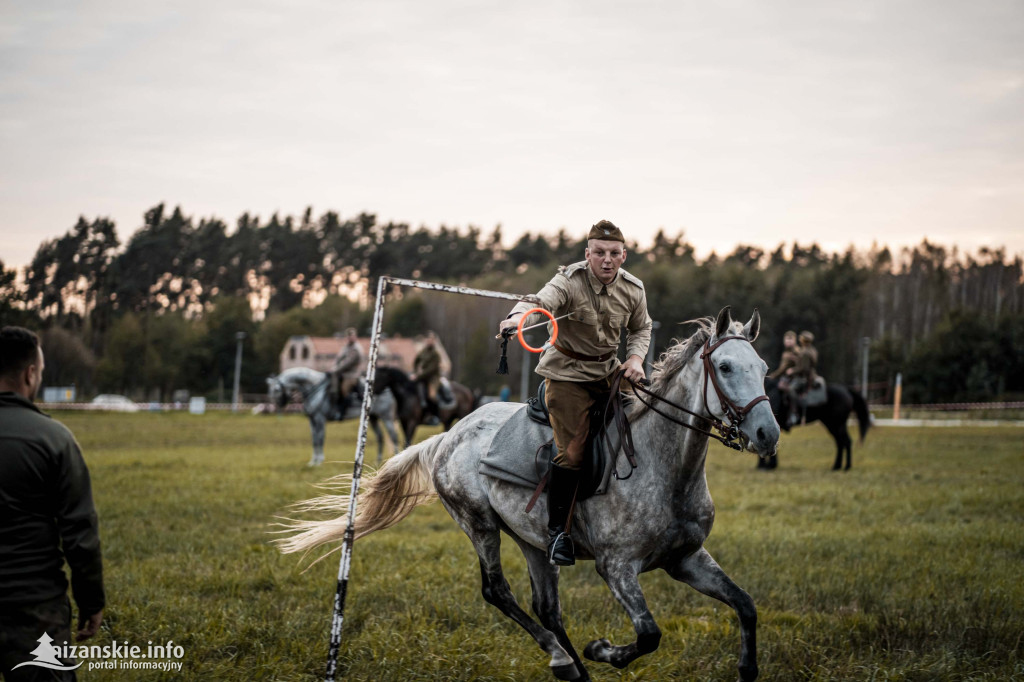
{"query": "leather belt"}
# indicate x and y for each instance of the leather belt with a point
(580, 356)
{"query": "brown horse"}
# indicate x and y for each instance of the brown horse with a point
(410, 412)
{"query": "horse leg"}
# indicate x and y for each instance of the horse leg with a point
(471, 508)
(546, 604)
(380, 439)
(702, 573)
(408, 429)
(496, 591)
(392, 433)
(842, 438)
(318, 426)
(621, 578)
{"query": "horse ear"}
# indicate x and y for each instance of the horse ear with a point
(753, 327)
(724, 319)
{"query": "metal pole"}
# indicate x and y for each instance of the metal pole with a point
(239, 337)
(345, 562)
(865, 345)
(898, 397)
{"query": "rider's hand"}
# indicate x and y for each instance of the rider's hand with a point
(633, 368)
(509, 323)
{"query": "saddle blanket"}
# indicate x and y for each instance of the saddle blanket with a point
(817, 394)
(513, 456)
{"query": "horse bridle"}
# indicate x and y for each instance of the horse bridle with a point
(728, 434)
(735, 413)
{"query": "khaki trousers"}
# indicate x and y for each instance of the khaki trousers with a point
(569, 404)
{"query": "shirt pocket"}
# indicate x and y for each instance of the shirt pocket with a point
(584, 316)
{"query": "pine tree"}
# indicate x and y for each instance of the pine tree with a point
(44, 653)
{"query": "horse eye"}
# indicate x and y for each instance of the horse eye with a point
(725, 368)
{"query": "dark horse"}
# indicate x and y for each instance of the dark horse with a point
(833, 414)
(410, 413)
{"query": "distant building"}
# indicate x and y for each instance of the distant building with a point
(318, 352)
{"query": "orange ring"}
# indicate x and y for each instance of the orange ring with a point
(550, 342)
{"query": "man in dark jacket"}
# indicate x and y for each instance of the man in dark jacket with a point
(47, 516)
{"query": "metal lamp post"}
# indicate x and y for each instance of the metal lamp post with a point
(239, 337)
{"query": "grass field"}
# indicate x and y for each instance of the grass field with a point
(908, 567)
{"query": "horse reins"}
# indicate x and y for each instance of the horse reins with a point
(728, 434)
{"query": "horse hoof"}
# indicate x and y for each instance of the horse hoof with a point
(598, 650)
(566, 671)
(748, 673)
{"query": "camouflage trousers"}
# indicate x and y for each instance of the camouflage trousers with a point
(20, 630)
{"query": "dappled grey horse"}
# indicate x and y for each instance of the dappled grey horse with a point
(657, 518)
(312, 386)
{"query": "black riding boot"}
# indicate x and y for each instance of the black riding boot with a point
(561, 493)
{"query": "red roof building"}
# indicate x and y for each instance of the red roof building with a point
(318, 352)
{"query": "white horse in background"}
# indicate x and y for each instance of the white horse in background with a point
(312, 387)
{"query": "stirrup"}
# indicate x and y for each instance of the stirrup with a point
(561, 551)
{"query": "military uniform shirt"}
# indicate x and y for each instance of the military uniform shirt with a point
(349, 359)
(597, 315)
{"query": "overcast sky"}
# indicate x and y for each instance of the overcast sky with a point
(749, 121)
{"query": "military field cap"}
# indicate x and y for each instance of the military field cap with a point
(807, 336)
(606, 231)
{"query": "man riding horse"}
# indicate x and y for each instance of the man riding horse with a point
(346, 370)
(786, 370)
(600, 299)
(788, 361)
(426, 372)
(804, 374)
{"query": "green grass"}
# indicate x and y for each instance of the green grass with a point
(908, 567)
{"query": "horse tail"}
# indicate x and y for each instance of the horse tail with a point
(386, 497)
(860, 406)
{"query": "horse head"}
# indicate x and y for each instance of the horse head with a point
(734, 382)
(276, 393)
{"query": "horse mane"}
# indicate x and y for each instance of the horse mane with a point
(675, 358)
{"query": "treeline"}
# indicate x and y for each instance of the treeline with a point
(162, 312)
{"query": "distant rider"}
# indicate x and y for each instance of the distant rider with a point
(805, 373)
(347, 366)
(426, 372)
(788, 361)
(601, 299)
